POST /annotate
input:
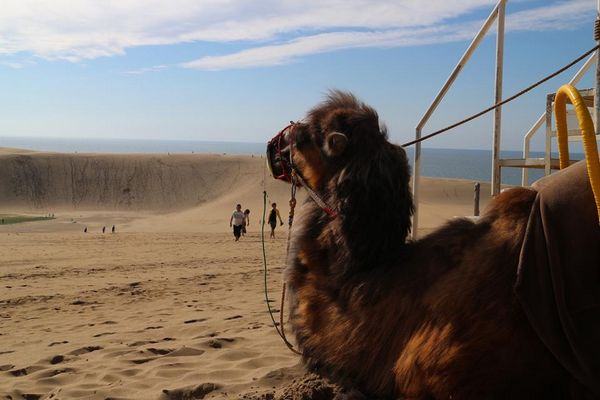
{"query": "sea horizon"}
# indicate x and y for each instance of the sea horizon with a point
(470, 164)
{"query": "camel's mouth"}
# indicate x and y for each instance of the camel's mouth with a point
(279, 154)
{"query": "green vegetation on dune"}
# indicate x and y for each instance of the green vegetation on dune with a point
(7, 219)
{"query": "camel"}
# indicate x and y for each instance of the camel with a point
(434, 318)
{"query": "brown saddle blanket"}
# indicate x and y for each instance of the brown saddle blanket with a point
(558, 279)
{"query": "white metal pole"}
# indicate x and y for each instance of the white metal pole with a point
(496, 176)
(548, 148)
(526, 153)
(461, 63)
(436, 102)
(415, 184)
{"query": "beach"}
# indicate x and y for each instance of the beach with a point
(168, 306)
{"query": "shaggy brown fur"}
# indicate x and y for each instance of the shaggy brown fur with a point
(434, 318)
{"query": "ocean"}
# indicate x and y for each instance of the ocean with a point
(444, 163)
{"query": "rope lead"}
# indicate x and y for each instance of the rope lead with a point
(281, 333)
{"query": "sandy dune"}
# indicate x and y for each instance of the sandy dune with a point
(152, 182)
(168, 307)
(130, 315)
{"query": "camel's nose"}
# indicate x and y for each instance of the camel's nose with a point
(278, 154)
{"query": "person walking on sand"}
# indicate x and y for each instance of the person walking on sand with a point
(237, 221)
(113, 229)
(273, 216)
(103, 229)
(246, 221)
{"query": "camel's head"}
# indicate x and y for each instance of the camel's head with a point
(343, 153)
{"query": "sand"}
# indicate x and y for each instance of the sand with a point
(168, 307)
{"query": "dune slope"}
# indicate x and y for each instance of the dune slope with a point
(120, 181)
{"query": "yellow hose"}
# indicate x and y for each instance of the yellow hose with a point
(586, 125)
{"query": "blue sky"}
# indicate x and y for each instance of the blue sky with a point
(239, 70)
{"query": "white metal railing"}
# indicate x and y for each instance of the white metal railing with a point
(498, 13)
(542, 119)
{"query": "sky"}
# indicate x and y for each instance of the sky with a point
(239, 70)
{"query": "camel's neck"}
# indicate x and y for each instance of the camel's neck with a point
(350, 243)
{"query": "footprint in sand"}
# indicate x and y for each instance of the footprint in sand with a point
(192, 321)
(83, 350)
(143, 360)
(142, 343)
(55, 372)
(219, 342)
(215, 344)
(104, 334)
(57, 359)
(19, 372)
(25, 371)
(197, 392)
(181, 352)
(161, 352)
(145, 342)
(55, 343)
(185, 352)
(31, 396)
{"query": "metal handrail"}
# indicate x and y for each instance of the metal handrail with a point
(497, 13)
(540, 121)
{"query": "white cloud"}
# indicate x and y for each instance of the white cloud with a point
(13, 64)
(287, 52)
(559, 16)
(87, 29)
(140, 71)
(564, 15)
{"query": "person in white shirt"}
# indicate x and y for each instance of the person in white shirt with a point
(237, 221)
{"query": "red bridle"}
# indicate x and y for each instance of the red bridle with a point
(280, 166)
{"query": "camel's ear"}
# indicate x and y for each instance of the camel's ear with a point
(335, 144)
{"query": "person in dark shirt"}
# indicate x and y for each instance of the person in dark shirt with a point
(273, 216)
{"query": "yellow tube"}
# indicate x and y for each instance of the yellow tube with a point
(586, 125)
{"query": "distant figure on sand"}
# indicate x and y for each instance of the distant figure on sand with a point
(103, 229)
(273, 216)
(246, 221)
(113, 229)
(237, 221)
(85, 230)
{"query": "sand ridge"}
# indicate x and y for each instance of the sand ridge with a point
(156, 182)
